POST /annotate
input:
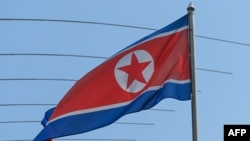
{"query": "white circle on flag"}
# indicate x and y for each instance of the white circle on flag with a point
(134, 70)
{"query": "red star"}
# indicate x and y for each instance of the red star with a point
(134, 70)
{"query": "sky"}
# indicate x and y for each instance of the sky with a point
(222, 98)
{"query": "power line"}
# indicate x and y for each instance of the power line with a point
(25, 104)
(162, 110)
(8, 122)
(112, 24)
(61, 79)
(216, 71)
(131, 123)
(52, 55)
(222, 40)
(7, 105)
(80, 139)
(74, 21)
(36, 79)
(37, 121)
(73, 55)
(100, 139)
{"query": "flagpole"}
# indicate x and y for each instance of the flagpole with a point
(191, 10)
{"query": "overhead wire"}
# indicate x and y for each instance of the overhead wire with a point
(112, 24)
(73, 55)
(37, 121)
(37, 79)
(52, 55)
(222, 40)
(46, 104)
(75, 21)
(69, 139)
(216, 71)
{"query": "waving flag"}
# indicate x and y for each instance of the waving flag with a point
(134, 79)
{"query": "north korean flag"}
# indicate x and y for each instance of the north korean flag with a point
(134, 79)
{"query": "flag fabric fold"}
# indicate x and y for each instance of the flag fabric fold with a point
(134, 79)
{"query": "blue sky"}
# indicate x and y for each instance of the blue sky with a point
(224, 98)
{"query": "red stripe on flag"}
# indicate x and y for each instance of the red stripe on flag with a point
(99, 87)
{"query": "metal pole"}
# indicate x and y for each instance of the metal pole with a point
(191, 10)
